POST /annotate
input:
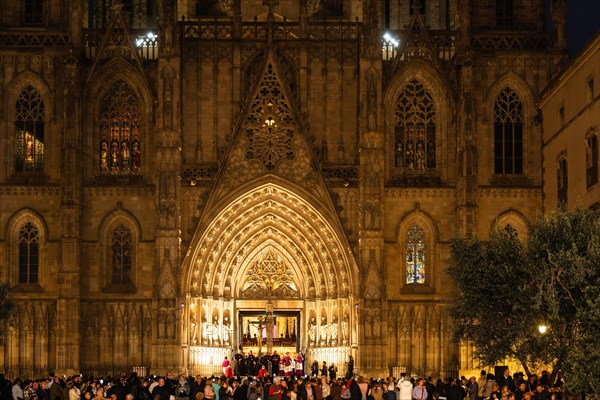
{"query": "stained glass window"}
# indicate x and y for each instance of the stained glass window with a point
(120, 147)
(508, 133)
(29, 127)
(122, 252)
(415, 255)
(415, 131)
(29, 247)
(269, 276)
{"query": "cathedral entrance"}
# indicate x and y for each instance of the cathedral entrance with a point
(268, 273)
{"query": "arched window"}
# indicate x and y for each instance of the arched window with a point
(508, 133)
(414, 131)
(29, 242)
(120, 147)
(415, 255)
(122, 255)
(29, 128)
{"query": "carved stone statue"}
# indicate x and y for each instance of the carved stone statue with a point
(312, 331)
(334, 333)
(324, 328)
(345, 331)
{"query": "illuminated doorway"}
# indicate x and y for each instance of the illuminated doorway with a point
(285, 332)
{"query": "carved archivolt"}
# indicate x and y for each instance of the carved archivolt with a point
(271, 217)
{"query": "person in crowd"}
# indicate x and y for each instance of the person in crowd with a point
(226, 363)
(473, 389)
(314, 369)
(17, 391)
(262, 372)
(350, 368)
(29, 392)
(306, 392)
(532, 383)
(363, 386)
(161, 391)
(332, 372)
(56, 392)
(336, 390)
(406, 388)
(182, 389)
(541, 392)
(345, 392)
(325, 388)
(489, 385)
(456, 391)
(506, 380)
(99, 395)
(355, 393)
(481, 384)
(420, 392)
(520, 392)
(74, 392)
(376, 392)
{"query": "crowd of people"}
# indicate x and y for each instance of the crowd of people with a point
(319, 386)
(287, 365)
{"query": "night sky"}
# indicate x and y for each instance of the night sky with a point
(583, 21)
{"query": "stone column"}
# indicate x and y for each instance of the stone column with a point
(467, 153)
(167, 300)
(67, 306)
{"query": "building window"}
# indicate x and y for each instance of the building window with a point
(29, 248)
(508, 133)
(33, 12)
(122, 254)
(414, 132)
(120, 147)
(591, 160)
(562, 181)
(590, 89)
(561, 116)
(415, 255)
(29, 128)
(505, 14)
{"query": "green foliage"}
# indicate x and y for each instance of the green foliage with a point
(506, 288)
(6, 303)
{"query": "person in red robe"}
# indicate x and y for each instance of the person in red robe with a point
(229, 372)
(262, 372)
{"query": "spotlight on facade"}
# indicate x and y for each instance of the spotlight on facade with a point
(391, 40)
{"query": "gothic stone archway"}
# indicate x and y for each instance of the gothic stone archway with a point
(318, 277)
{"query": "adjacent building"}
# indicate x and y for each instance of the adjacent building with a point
(571, 118)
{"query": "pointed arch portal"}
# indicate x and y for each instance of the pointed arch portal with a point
(269, 249)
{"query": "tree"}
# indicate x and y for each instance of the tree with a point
(507, 287)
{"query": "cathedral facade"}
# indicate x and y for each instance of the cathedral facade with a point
(179, 176)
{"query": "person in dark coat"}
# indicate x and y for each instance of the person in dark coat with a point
(506, 380)
(456, 392)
